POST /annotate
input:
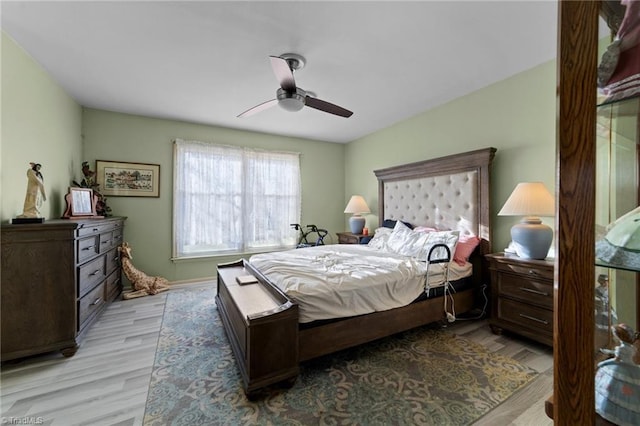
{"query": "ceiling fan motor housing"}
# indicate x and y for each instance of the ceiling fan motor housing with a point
(291, 101)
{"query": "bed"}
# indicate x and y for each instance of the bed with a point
(270, 335)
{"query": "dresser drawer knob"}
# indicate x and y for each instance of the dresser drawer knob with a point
(530, 290)
(534, 319)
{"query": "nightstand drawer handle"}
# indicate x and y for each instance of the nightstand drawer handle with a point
(95, 302)
(534, 319)
(530, 290)
(96, 272)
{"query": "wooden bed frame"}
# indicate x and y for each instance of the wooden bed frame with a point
(261, 322)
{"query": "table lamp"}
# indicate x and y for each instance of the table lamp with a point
(532, 238)
(356, 205)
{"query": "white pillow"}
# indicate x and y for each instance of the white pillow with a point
(383, 230)
(406, 242)
(380, 239)
(398, 236)
(448, 238)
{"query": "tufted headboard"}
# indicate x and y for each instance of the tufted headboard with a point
(447, 193)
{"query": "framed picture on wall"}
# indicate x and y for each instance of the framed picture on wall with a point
(123, 179)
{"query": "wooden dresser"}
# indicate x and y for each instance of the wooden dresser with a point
(522, 296)
(57, 277)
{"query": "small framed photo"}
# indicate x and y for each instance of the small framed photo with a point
(82, 202)
(123, 179)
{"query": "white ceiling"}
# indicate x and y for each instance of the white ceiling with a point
(206, 62)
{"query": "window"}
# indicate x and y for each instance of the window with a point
(230, 199)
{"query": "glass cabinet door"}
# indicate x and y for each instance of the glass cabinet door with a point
(617, 175)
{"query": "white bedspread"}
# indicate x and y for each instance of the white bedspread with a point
(343, 280)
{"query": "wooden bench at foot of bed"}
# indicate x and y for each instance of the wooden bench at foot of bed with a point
(262, 327)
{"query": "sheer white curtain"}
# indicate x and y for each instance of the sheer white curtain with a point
(230, 199)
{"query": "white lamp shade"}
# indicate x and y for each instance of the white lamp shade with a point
(357, 205)
(529, 199)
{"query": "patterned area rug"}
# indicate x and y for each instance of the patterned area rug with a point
(425, 376)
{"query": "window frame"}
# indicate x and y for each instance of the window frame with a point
(249, 222)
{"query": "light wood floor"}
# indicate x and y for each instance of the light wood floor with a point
(106, 382)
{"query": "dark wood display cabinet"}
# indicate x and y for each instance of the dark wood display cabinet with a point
(57, 277)
(597, 175)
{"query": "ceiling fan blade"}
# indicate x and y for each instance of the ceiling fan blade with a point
(327, 107)
(283, 73)
(260, 107)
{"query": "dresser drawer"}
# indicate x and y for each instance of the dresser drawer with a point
(524, 315)
(94, 229)
(113, 260)
(90, 304)
(116, 239)
(526, 289)
(106, 241)
(526, 270)
(90, 274)
(112, 286)
(87, 247)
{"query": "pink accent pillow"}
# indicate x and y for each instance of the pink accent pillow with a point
(466, 246)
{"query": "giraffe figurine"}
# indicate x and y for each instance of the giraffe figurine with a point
(142, 283)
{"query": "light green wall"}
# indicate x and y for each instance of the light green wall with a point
(516, 116)
(123, 137)
(40, 124)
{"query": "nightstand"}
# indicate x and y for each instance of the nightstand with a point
(351, 238)
(522, 296)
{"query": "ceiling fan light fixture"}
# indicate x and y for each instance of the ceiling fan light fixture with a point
(291, 101)
(289, 96)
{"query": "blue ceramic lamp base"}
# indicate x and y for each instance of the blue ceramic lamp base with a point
(356, 224)
(532, 238)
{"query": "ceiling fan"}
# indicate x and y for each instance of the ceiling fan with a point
(289, 96)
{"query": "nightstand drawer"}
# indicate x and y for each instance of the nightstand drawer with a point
(347, 239)
(525, 315)
(527, 290)
(524, 269)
